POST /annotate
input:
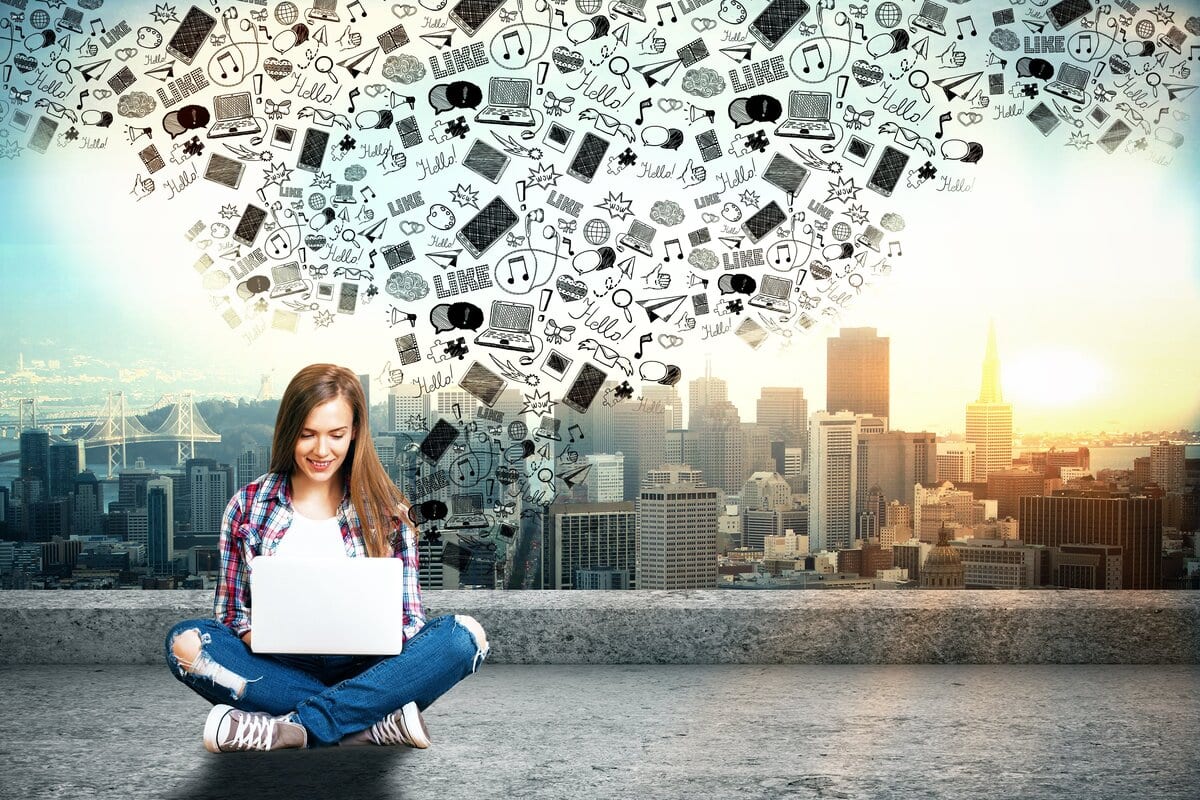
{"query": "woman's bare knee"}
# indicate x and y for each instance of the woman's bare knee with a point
(186, 647)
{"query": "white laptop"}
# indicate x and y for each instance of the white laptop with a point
(326, 606)
(808, 116)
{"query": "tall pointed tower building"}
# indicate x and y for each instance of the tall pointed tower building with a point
(989, 419)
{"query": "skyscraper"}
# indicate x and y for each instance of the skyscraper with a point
(716, 445)
(677, 530)
(35, 458)
(640, 436)
(1134, 523)
(1167, 465)
(702, 393)
(990, 419)
(606, 479)
(160, 525)
(211, 488)
(857, 376)
(955, 462)
(832, 476)
(589, 536)
(407, 404)
(783, 411)
(67, 459)
(894, 462)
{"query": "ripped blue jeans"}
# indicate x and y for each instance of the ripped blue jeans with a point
(332, 696)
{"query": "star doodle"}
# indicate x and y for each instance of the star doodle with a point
(543, 176)
(322, 180)
(616, 206)
(278, 174)
(323, 319)
(1163, 14)
(1080, 141)
(164, 13)
(9, 149)
(857, 214)
(842, 189)
(749, 198)
(228, 212)
(465, 196)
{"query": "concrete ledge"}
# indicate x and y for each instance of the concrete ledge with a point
(685, 627)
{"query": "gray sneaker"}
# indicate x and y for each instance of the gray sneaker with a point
(228, 729)
(405, 726)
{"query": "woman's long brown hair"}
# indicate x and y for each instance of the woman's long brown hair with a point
(380, 505)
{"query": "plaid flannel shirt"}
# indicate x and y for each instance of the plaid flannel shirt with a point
(254, 523)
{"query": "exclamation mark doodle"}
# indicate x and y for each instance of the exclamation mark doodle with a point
(457, 409)
(257, 86)
(541, 74)
(491, 487)
(546, 295)
(521, 193)
(841, 88)
(1099, 69)
(7, 73)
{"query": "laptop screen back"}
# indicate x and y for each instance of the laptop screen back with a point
(286, 273)
(512, 92)
(779, 288)
(468, 504)
(809, 105)
(233, 106)
(641, 231)
(933, 11)
(1073, 76)
(512, 316)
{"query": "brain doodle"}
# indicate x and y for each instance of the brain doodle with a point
(518, 195)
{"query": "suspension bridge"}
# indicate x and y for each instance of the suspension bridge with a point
(113, 427)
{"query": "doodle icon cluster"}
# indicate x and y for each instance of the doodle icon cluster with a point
(555, 194)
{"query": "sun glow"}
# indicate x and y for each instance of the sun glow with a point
(1053, 378)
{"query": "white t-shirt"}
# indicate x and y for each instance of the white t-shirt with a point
(312, 538)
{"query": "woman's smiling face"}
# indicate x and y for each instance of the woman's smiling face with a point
(325, 440)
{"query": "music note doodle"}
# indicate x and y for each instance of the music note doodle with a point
(520, 46)
(659, 9)
(960, 22)
(226, 63)
(365, 191)
(1084, 38)
(562, 18)
(470, 467)
(355, 92)
(103, 30)
(642, 110)
(894, 249)
(371, 257)
(667, 249)
(646, 339)
(570, 247)
(786, 251)
(361, 10)
(265, 33)
(82, 95)
(512, 264)
(574, 430)
(942, 120)
(812, 48)
(858, 26)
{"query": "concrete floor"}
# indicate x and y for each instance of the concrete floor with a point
(642, 731)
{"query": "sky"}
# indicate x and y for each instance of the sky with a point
(1089, 265)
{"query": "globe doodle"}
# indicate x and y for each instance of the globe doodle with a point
(286, 13)
(841, 231)
(1144, 29)
(596, 231)
(888, 14)
(316, 201)
(588, 6)
(39, 18)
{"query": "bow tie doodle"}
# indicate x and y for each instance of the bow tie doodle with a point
(275, 110)
(557, 106)
(857, 120)
(556, 334)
